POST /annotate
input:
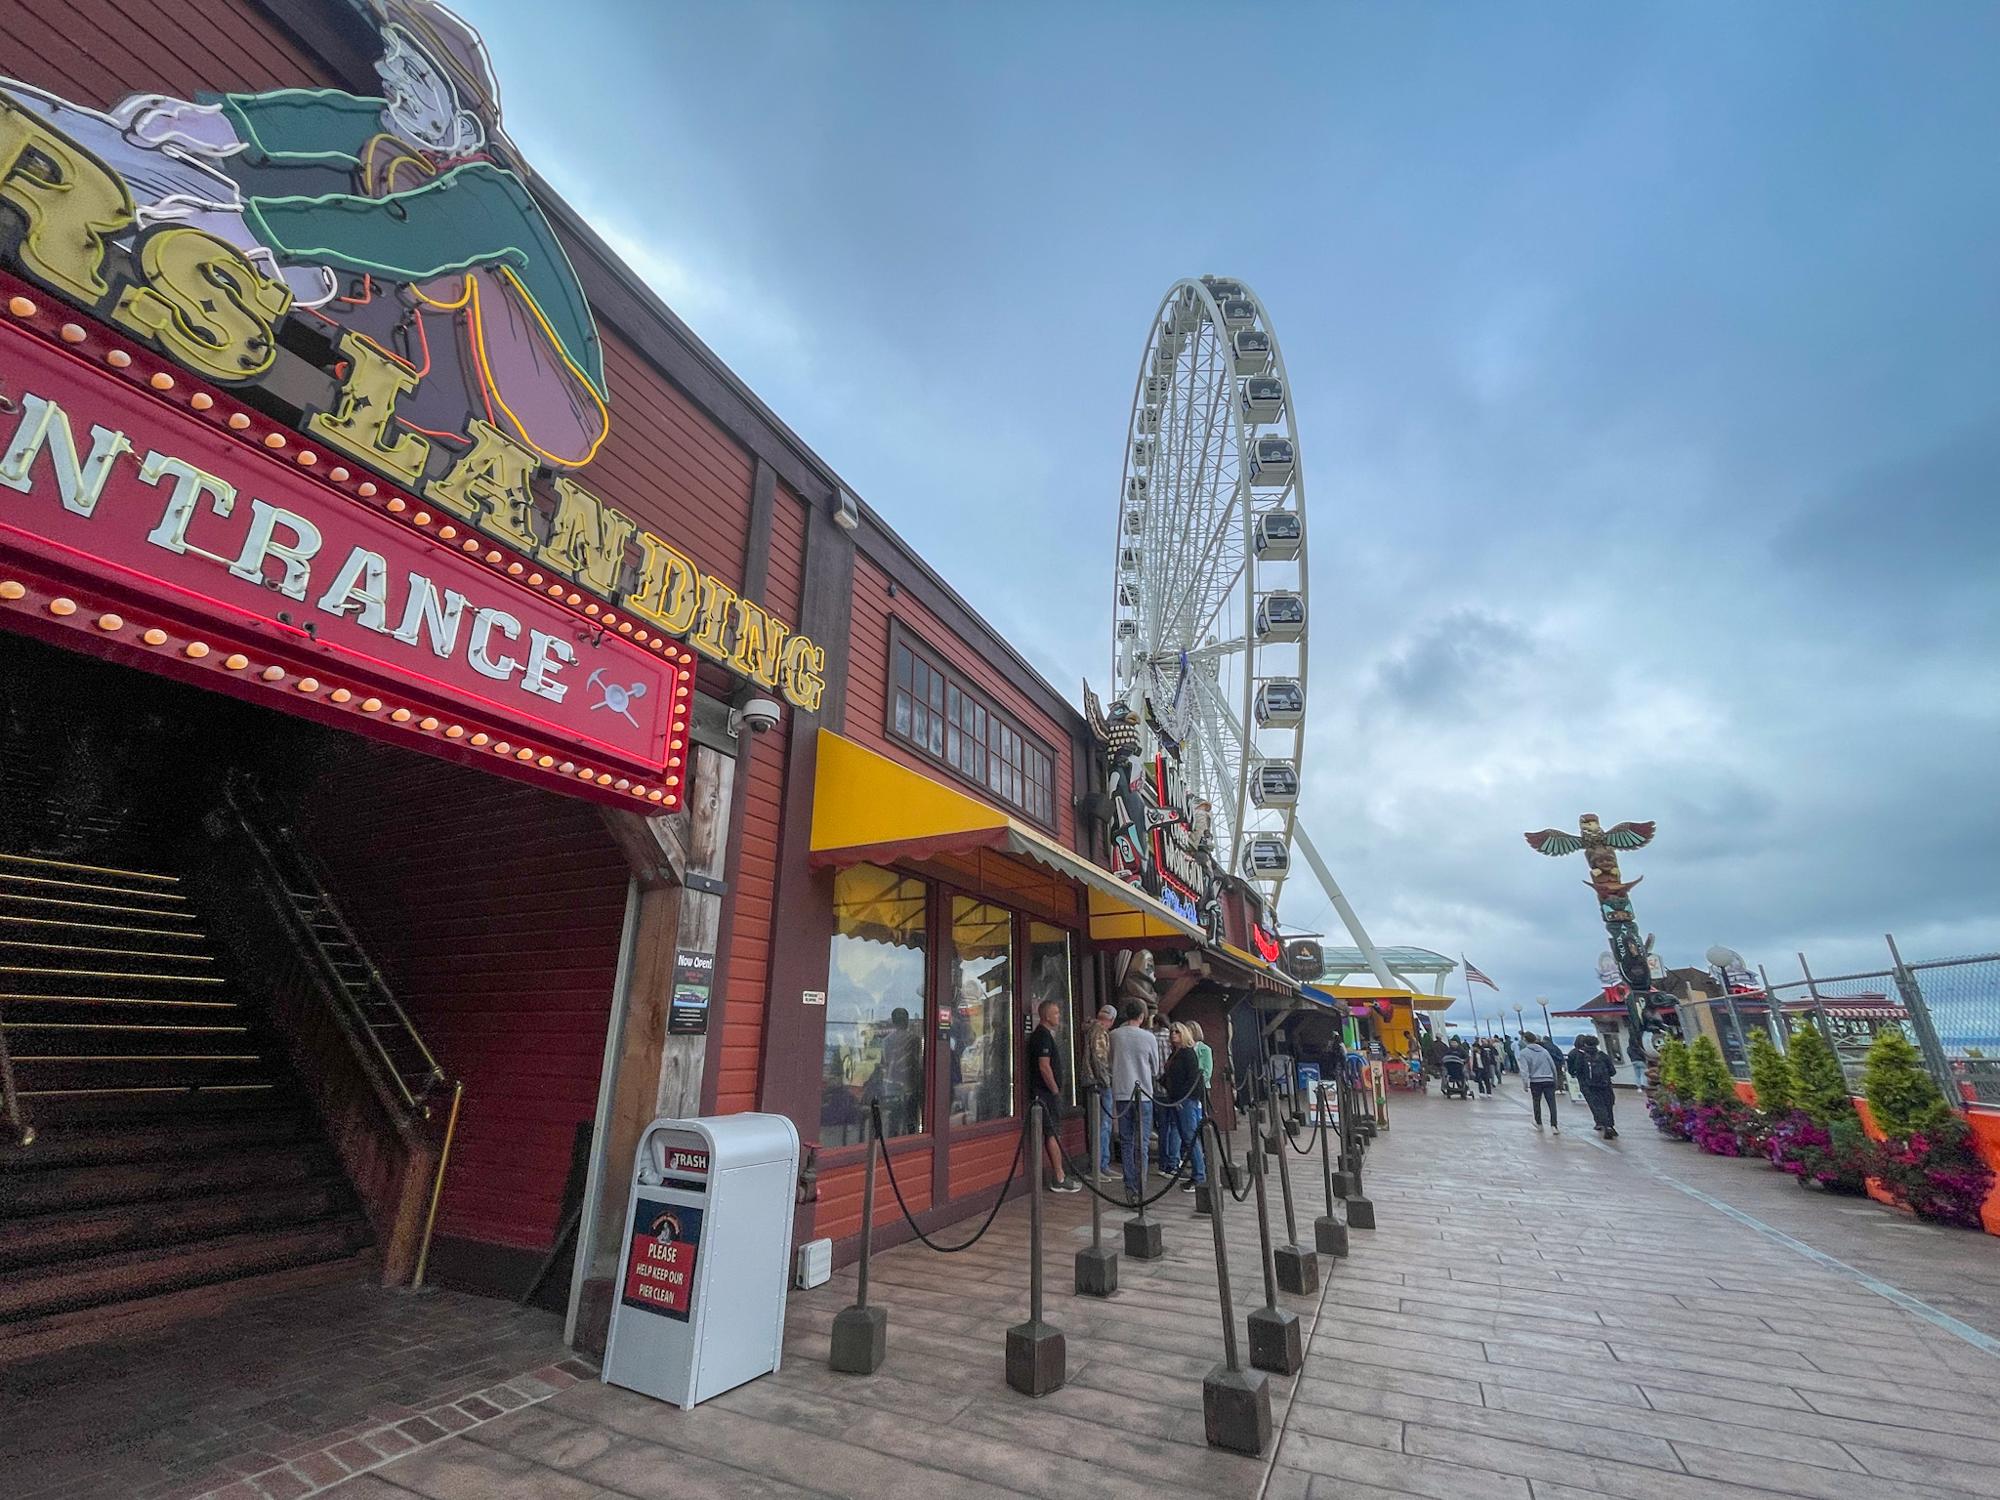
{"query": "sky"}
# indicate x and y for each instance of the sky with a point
(1646, 362)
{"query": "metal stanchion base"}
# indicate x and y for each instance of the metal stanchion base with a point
(860, 1340)
(1275, 1342)
(1298, 1270)
(1203, 1203)
(1367, 1127)
(1330, 1236)
(1096, 1271)
(1360, 1213)
(1236, 1410)
(1144, 1239)
(1273, 1144)
(1037, 1359)
(1344, 1185)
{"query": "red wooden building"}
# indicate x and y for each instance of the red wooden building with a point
(446, 720)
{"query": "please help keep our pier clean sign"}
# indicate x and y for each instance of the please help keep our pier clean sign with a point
(659, 1275)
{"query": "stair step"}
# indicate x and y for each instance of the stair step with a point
(184, 1135)
(209, 1008)
(168, 918)
(30, 1041)
(52, 954)
(16, 880)
(141, 1273)
(45, 1077)
(64, 927)
(67, 869)
(68, 1235)
(59, 1112)
(45, 978)
(66, 1188)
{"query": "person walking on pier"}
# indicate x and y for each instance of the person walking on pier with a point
(1594, 1072)
(1540, 1068)
(1097, 1057)
(1133, 1059)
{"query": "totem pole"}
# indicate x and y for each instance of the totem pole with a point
(1118, 741)
(1600, 848)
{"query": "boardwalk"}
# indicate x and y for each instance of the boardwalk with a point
(1537, 1319)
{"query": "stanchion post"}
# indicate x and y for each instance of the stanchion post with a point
(1360, 1212)
(1235, 1403)
(1097, 1263)
(1145, 1239)
(1343, 1099)
(861, 1332)
(1298, 1267)
(1037, 1359)
(1329, 1229)
(1275, 1340)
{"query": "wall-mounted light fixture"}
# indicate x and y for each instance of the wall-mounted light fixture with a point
(846, 510)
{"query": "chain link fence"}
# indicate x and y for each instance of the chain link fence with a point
(1948, 1007)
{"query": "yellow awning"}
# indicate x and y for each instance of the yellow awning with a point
(1361, 994)
(868, 808)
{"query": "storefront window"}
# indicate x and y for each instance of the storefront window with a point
(875, 1006)
(978, 1024)
(1049, 973)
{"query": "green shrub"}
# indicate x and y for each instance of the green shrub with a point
(1769, 1075)
(1818, 1086)
(1674, 1068)
(1900, 1093)
(1708, 1074)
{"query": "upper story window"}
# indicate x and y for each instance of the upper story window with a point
(942, 716)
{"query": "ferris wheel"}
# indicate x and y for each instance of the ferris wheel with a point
(1209, 612)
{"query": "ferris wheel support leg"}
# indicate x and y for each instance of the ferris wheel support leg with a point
(1333, 893)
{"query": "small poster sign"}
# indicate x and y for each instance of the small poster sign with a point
(659, 1274)
(694, 974)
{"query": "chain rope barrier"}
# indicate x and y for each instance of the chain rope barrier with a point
(888, 1161)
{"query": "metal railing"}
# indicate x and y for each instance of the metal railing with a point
(1949, 1008)
(298, 892)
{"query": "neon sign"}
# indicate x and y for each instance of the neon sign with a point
(378, 266)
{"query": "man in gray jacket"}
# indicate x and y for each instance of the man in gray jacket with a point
(1540, 1067)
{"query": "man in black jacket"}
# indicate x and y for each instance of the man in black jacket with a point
(1594, 1071)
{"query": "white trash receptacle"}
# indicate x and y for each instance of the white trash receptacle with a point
(707, 1258)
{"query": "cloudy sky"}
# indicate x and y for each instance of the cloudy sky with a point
(1647, 361)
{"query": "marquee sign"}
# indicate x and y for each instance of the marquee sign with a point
(161, 521)
(376, 268)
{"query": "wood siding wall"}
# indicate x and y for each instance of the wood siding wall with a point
(494, 911)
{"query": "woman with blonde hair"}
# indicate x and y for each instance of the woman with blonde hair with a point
(1180, 1100)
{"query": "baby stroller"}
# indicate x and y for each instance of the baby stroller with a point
(1455, 1085)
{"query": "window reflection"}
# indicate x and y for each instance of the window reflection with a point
(1049, 974)
(980, 1032)
(874, 1006)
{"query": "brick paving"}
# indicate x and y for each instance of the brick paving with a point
(1538, 1318)
(277, 1399)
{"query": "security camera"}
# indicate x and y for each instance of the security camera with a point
(758, 715)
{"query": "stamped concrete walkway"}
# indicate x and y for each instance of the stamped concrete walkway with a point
(1538, 1318)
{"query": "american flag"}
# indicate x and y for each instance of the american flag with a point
(1473, 976)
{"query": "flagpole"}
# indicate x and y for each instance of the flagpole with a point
(1466, 971)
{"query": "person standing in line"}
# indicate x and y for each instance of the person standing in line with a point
(1206, 1057)
(1133, 1058)
(1048, 1075)
(1482, 1066)
(1539, 1067)
(1156, 1022)
(1507, 1059)
(1180, 1092)
(1595, 1072)
(1097, 1058)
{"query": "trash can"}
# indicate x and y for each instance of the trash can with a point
(708, 1243)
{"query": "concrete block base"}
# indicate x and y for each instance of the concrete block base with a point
(1275, 1341)
(1298, 1270)
(1037, 1358)
(1203, 1203)
(1360, 1213)
(1330, 1237)
(860, 1340)
(1096, 1271)
(1144, 1239)
(1236, 1410)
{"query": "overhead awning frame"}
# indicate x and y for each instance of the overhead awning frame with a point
(868, 808)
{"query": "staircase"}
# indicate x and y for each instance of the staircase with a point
(173, 1147)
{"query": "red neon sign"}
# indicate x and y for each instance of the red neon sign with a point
(154, 509)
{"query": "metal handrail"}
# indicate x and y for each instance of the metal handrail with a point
(10, 1096)
(262, 831)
